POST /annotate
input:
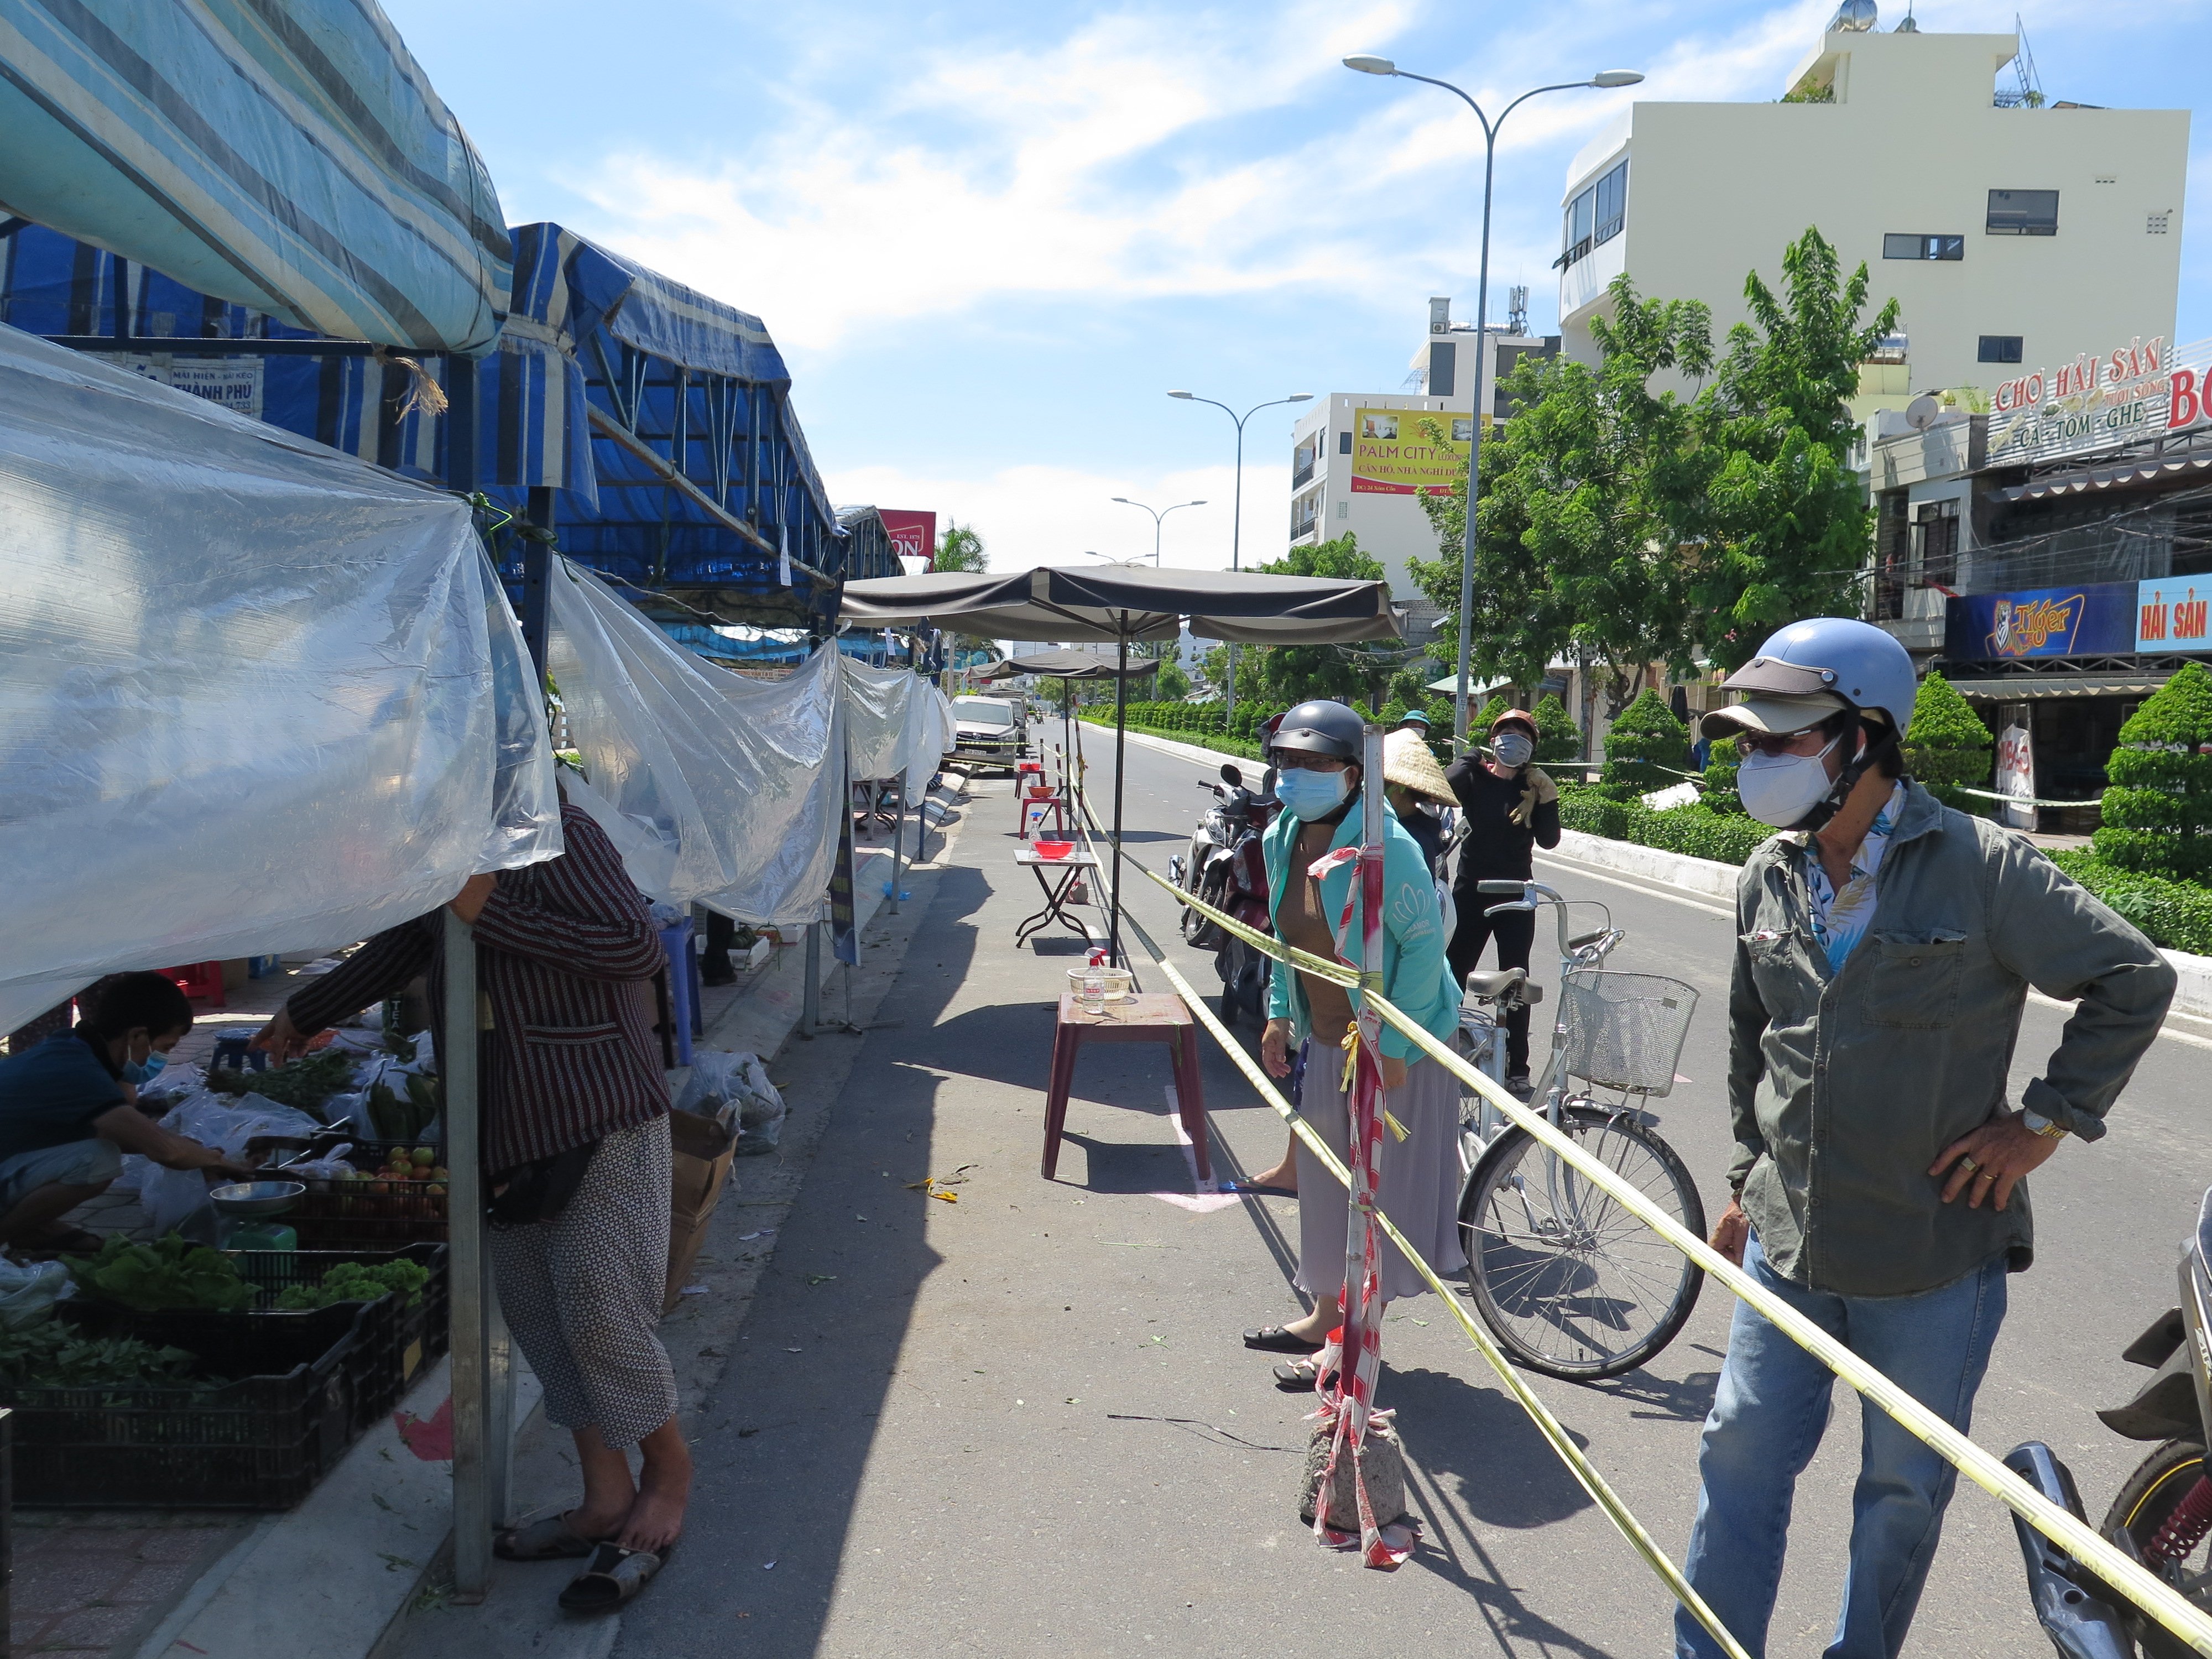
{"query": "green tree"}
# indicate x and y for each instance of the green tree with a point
(1558, 738)
(1946, 747)
(960, 548)
(1360, 673)
(1171, 684)
(1647, 748)
(2158, 809)
(1768, 492)
(1580, 537)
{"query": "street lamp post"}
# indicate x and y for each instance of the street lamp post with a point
(1369, 64)
(1158, 513)
(1237, 523)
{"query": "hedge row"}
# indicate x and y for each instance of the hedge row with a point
(1204, 719)
(2175, 913)
(1695, 830)
(1240, 747)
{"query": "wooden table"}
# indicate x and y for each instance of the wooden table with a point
(1056, 892)
(1152, 1017)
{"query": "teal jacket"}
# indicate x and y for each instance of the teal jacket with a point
(1415, 975)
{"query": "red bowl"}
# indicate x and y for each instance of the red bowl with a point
(1054, 849)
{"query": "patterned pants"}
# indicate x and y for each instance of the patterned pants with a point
(583, 1292)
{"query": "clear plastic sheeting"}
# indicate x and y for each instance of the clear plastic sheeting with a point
(254, 695)
(896, 725)
(714, 788)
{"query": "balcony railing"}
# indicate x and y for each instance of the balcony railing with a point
(1302, 474)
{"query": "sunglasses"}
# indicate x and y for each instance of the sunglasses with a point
(1771, 744)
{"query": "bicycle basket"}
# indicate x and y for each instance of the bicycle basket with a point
(1625, 1031)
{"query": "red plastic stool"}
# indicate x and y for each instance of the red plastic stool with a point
(201, 982)
(1147, 1018)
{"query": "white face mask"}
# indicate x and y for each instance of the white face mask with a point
(1513, 748)
(1781, 789)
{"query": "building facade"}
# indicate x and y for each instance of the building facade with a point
(2009, 229)
(1362, 461)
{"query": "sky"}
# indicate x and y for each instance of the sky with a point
(990, 237)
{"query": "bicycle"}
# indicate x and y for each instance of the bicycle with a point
(1570, 1282)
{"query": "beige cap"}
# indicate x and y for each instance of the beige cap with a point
(1411, 764)
(1778, 716)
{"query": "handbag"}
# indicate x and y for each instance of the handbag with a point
(540, 1189)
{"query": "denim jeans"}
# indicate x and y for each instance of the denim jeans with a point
(1766, 1422)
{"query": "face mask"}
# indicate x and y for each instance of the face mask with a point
(138, 1071)
(1312, 794)
(1781, 789)
(1513, 748)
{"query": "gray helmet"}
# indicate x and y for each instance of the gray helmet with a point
(1321, 728)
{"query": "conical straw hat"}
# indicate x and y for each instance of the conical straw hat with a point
(1410, 764)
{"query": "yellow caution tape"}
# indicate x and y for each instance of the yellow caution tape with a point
(2155, 1597)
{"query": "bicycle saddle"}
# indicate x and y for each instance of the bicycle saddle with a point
(1489, 988)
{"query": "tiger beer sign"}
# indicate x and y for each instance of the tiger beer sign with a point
(2101, 401)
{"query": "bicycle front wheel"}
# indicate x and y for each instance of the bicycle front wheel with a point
(1570, 1282)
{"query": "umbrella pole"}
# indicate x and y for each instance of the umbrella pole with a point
(1120, 745)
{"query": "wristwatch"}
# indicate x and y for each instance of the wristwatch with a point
(2036, 1123)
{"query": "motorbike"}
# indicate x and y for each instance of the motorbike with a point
(1225, 868)
(2163, 1511)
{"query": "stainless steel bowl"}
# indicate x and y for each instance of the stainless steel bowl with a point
(256, 1198)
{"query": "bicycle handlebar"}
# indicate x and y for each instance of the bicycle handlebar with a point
(1531, 894)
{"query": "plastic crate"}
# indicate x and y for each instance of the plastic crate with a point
(402, 1340)
(355, 1216)
(260, 1440)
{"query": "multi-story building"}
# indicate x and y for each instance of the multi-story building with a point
(2010, 230)
(1362, 461)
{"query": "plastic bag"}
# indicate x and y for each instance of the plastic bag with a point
(723, 1083)
(172, 1082)
(214, 1121)
(177, 1200)
(27, 1294)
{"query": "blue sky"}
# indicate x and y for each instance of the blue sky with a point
(989, 237)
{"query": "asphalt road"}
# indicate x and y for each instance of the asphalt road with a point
(1023, 1424)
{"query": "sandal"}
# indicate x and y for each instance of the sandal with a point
(614, 1578)
(1257, 1190)
(1274, 1339)
(549, 1540)
(1298, 1376)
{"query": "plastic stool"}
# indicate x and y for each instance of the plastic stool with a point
(684, 987)
(234, 1052)
(201, 982)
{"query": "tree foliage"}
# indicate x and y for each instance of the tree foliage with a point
(1947, 746)
(2158, 810)
(1285, 675)
(1647, 748)
(960, 548)
(1558, 738)
(1172, 684)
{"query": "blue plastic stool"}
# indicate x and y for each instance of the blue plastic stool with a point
(233, 1053)
(684, 987)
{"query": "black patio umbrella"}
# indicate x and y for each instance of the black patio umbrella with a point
(1126, 604)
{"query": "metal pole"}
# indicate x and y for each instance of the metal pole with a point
(1474, 447)
(475, 1502)
(1121, 747)
(810, 1015)
(1236, 556)
(537, 571)
(898, 839)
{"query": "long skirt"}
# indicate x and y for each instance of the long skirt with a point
(1420, 1178)
(583, 1292)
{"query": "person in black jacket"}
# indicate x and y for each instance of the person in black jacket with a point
(1507, 808)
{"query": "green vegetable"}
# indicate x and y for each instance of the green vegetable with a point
(357, 1281)
(304, 1083)
(53, 1354)
(403, 1117)
(170, 1273)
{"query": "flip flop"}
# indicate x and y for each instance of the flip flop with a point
(614, 1578)
(1259, 1191)
(1274, 1339)
(1296, 1376)
(549, 1539)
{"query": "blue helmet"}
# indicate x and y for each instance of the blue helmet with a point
(1811, 669)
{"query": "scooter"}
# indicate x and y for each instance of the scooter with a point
(2163, 1512)
(1225, 869)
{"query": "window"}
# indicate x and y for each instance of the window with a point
(1999, 348)
(1596, 216)
(1936, 545)
(2023, 213)
(1443, 365)
(1909, 245)
(1344, 441)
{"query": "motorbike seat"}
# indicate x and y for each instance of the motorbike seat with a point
(1489, 988)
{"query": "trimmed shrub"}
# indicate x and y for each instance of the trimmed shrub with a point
(2175, 913)
(1647, 749)
(1585, 811)
(1692, 830)
(1720, 796)
(1558, 738)
(2158, 812)
(1946, 747)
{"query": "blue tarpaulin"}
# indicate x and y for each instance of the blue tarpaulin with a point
(288, 155)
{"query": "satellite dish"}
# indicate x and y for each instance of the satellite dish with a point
(1920, 414)
(1853, 18)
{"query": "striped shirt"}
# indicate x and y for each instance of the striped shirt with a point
(566, 956)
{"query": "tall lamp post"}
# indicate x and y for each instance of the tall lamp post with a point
(1368, 64)
(1158, 513)
(1237, 523)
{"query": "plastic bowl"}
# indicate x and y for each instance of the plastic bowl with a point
(252, 1198)
(1054, 849)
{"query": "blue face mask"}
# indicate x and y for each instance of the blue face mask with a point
(135, 1073)
(1312, 795)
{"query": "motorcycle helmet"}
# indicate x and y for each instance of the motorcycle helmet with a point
(1321, 728)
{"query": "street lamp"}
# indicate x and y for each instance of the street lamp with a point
(1157, 513)
(1237, 523)
(1366, 64)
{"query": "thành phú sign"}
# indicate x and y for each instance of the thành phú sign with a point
(1409, 452)
(2101, 401)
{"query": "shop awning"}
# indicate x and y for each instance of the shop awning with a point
(2034, 688)
(1128, 602)
(293, 159)
(2143, 470)
(1068, 665)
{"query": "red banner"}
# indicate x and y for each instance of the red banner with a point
(914, 534)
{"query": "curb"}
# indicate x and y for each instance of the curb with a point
(1190, 752)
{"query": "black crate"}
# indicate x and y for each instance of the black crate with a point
(260, 1440)
(404, 1340)
(358, 1216)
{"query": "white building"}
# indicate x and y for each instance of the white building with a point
(2011, 231)
(1361, 460)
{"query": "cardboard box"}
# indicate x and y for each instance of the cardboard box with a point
(701, 1151)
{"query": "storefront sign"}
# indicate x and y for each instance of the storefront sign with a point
(1396, 452)
(2170, 614)
(914, 535)
(2047, 621)
(2101, 401)
(2016, 776)
(233, 382)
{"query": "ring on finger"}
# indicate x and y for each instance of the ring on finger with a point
(1986, 1175)
(1967, 1164)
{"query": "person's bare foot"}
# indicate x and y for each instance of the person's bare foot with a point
(595, 1525)
(654, 1520)
(1283, 1176)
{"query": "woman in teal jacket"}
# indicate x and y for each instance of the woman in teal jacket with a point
(1317, 749)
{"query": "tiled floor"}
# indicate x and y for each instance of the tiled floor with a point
(95, 1584)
